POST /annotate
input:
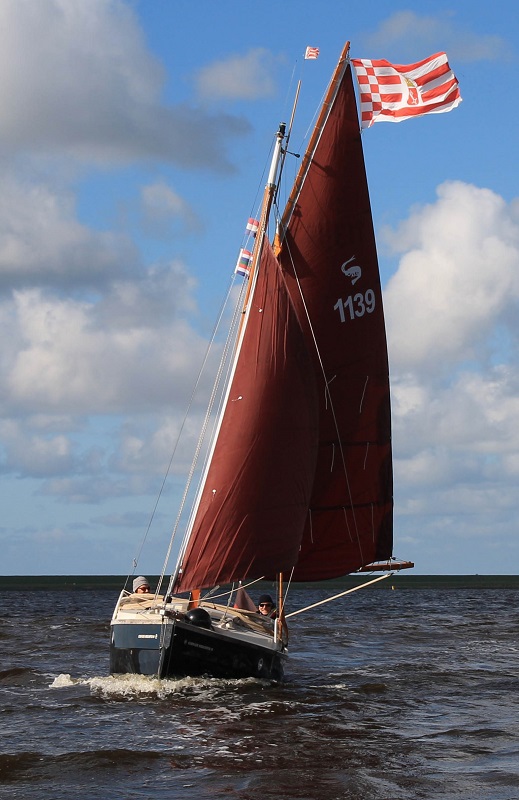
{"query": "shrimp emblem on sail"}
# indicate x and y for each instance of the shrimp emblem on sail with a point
(354, 272)
(358, 304)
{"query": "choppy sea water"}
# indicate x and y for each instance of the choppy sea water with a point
(389, 694)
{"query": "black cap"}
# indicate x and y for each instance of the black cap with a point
(266, 598)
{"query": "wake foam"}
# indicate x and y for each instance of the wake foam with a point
(137, 686)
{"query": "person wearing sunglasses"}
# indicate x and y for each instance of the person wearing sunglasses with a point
(266, 606)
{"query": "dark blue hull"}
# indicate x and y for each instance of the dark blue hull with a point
(178, 649)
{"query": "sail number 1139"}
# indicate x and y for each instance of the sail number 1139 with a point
(356, 305)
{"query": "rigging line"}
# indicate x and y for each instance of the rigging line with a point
(249, 293)
(229, 344)
(311, 124)
(289, 583)
(250, 583)
(287, 140)
(210, 597)
(299, 67)
(224, 359)
(181, 429)
(326, 109)
(341, 594)
(326, 385)
(191, 400)
(230, 341)
(220, 378)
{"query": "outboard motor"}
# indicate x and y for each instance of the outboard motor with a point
(199, 617)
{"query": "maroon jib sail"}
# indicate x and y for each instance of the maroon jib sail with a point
(255, 498)
(300, 479)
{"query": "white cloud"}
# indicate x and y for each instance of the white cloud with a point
(145, 448)
(407, 33)
(42, 242)
(76, 78)
(59, 359)
(457, 282)
(33, 455)
(478, 415)
(164, 211)
(240, 77)
(451, 310)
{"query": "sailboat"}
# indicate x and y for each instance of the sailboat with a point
(298, 483)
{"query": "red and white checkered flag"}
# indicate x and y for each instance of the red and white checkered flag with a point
(394, 92)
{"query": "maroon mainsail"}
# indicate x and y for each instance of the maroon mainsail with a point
(301, 474)
(329, 257)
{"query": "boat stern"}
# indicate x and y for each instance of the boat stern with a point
(139, 632)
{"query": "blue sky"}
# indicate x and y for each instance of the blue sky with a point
(133, 139)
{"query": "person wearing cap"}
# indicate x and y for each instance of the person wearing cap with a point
(141, 585)
(266, 606)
